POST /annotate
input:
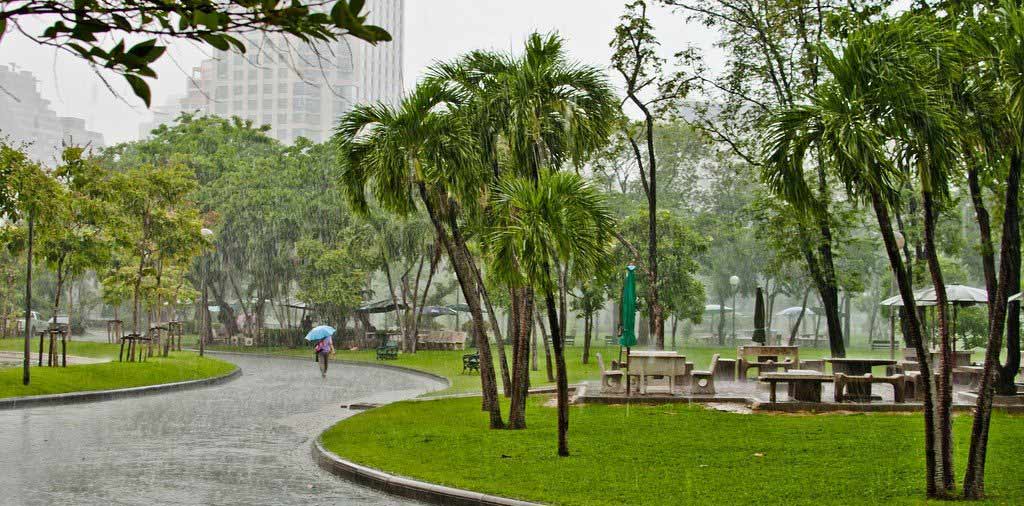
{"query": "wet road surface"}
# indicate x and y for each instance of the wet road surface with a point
(244, 442)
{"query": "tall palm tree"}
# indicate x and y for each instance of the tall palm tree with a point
(554, 223)
(998, 41)
(421, 151)
(882, 117)
(534, 111)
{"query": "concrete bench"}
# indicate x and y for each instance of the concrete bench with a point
(766, 359)
(898, 382)
(804, 385)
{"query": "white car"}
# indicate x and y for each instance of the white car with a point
(37, 323)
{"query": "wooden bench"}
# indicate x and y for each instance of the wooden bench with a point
(898, 382)
(470, 363)
(803, 385)
(766, 359)
(611, 379)
(703, 382)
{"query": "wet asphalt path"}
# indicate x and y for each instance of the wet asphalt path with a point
(244, 442)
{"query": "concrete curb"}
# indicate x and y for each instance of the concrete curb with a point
(405, 487)
(106, 395)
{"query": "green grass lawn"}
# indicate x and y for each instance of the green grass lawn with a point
(669, 454)
(449, 363)
(110, 375)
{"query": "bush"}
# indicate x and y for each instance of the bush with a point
(972, 326)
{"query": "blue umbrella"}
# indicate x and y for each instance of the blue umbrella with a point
(320, 333)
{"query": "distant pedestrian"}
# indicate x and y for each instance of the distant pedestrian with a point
(324, 350)
(324, 347)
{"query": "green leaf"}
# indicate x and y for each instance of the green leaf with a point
(215, 40)
(139, 87)
(208, 19)
(371, 33)
(121, 22)
(3, 27)
(142, 49)
(235, 42)
(355, 6)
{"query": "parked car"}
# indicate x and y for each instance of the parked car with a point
(37, 323)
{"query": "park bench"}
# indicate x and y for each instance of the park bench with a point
(898, 382)
(611, 379)
(803, 384)
(569, 340)
(387, 349)
(703, 382)
(611, 340)
(470, 363)
(766, 359)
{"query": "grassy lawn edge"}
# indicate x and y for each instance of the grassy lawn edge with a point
(178, 367)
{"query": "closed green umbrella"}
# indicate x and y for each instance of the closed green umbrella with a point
(627, 337)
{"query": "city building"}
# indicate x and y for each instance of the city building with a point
(26, 118)
(298, 89)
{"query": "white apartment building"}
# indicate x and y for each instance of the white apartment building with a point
(26, 118)
(297, 89)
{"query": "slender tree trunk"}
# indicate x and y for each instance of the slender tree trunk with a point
(534, 347)
(435, 259)
(562, 386)
(27, 356)
(391, 290)
(506, 385)
(974, 479)
(944, 414)
(547, 346)
(721, 321)
(799, 317)
(916, 339)
(459, 256)
(588, 332)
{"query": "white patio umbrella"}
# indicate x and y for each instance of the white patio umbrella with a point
(795, 310)
(957, 295)
(1015, 297)
(715, 308)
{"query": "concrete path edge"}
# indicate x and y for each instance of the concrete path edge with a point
(106, 395)
(405, 487)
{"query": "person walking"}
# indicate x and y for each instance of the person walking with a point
(324, 350)
(323, 337)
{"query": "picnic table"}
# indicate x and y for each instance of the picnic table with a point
(858, 367)
(804, 385)
(644, 364)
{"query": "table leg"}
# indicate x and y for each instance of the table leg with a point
(772, 395)
(855, 391)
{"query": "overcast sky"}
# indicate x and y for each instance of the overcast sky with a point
(434, 29)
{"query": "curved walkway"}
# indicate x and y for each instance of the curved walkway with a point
(245, 442)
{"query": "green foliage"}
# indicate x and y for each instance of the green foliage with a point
(680, 247)
(560, 219)
(98, 31)
(331, 278)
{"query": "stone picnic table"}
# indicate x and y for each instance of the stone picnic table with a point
(858, 367)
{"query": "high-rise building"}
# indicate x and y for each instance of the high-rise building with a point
(298, 89)
(27, 118)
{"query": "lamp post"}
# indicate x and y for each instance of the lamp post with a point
(208, 234)
(734, 281)
(28, 303)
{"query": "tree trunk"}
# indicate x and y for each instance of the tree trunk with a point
(520, 313)
(506, 382)
(435, 259)
(974, 479)
(944, 414)
(799, 318)
(915, 337)
(461, 263)
(391, 290)
(562, 386)
(721, 321)
(547, 347)
(588, 332)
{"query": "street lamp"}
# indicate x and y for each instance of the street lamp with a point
(208, 234)
(735, 282)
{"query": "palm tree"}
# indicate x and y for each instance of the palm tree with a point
(554, 223)
(420, 151)
(539, 110)
(881, 117)
(998, 41)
